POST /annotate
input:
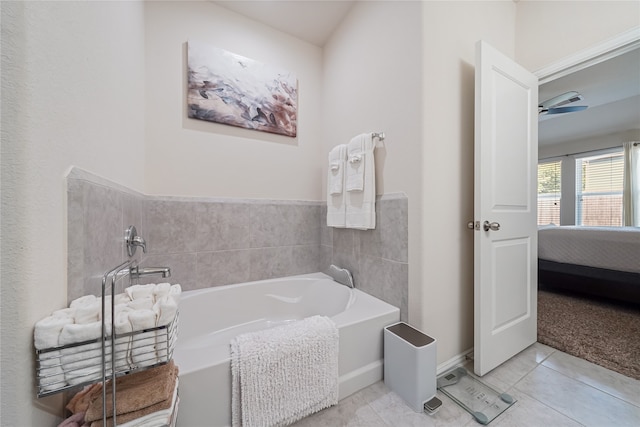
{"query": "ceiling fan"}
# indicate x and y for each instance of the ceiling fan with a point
(557, 104)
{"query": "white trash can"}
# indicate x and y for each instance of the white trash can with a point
(410, 364)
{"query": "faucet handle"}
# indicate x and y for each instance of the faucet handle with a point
(132, 241)
(139, 241)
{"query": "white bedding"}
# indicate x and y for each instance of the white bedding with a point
(613, 248)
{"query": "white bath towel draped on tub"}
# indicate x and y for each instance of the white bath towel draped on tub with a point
(283, 374)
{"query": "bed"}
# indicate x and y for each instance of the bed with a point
(600, 261)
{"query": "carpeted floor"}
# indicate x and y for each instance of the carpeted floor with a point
(601, 332)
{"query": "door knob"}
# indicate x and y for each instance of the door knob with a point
(494, 226)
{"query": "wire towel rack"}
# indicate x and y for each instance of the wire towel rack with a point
(109, 364)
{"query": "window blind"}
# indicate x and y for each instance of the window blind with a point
(599, 182)
(549, 193)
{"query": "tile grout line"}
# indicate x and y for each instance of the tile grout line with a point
(592, 386)
(538, 364)
(571, 379)
(539, 401)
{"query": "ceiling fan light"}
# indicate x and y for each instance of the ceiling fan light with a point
(575, 98)
(570, 109)
(560, 100)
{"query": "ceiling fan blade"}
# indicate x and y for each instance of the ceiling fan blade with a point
(561, 110)
(560, 100)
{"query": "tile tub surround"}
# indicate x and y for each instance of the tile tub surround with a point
(378, 259)
(98, 212)
(211, 242)
(206, 242)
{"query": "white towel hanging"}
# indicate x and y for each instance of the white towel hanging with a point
(335, 177)
(356, 163)
(361, 184)
(336, 209)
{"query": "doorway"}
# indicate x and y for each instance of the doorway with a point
(608, 78)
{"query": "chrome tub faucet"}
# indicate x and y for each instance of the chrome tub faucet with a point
(132, 242)
(136, 271)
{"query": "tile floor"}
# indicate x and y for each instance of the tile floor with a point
(552, 389)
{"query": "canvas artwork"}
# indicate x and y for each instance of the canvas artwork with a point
(233, 90)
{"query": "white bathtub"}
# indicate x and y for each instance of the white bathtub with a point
(210, 318)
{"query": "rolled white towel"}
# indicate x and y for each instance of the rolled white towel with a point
(140, 291)
(142, 319)
(143, 352)
(161, 290)
(46, 333)
(123, 307)
(122, 325)
(145, 303)
(175, 292)
(107, 300)
(122, 322)
(50, 373)
(118, 308)
(121, 298)
(88, 313)
(73, 333)
(81, 363)
(86, 375)
(165, 309)
(65, 312)
(84, 300)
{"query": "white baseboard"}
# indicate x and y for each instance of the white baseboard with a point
(457, 360)
(373, 372)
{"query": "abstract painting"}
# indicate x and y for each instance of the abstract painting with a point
(233, 90)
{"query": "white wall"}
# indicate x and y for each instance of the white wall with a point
(445, 304)
(197, 158)
(451, 30)
(372, 80)
(372, 83)
(548, 31)
(588, 144)
(72, 94)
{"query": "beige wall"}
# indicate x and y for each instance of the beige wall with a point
(72, 94)
(445, 307)
(188, 157)
(451, 30)
(101, 85)
(548, 31)
(372, 80)
(372, 83)
(601, 142)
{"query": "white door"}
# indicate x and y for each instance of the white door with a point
(506, 157)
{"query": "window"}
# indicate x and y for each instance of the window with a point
(549, 179)
(599, 180)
